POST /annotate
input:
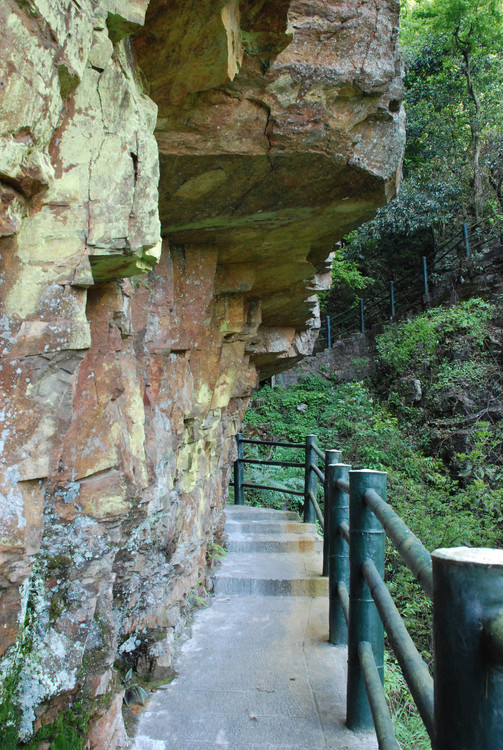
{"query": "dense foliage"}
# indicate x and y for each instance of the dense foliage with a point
(453, 168)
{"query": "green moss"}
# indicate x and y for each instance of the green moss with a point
(67, 82)
(109, 267)
(119, 27)
(9, 712)
(67, 732)
(61, 562)
(57, 606)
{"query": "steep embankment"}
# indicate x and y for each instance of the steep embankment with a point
(274, 127)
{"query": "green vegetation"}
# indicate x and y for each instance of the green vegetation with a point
(67, 732)
(453, 168)
(443, 458)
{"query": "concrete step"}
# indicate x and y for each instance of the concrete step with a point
(298, 543)
(249, 512)
(232, 586)
(270, 554)
(269, 527)
(259, 673)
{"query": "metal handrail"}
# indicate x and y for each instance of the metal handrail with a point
(412, 551)
(413, 666)
(464, 236)
(343, 530)
(375, 691)
(268, 462)
(467, 608)
(312, 473)
(275, 443)
(317, 509)
(255, 486)
(342, 592)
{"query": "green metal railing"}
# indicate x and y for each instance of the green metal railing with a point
(462, 706)
(405, 290)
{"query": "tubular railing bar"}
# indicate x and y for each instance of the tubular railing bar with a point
(434, 255)
(273, 442)
(319, 453)
(482, 242)
(453, 236)
(347, 311)
(270, 462)
(376, 301)
(318, 472)
(377, 699)
(343, 530)
(380, 299)
(344, 316)
(317, 508)
(458, 237)
(411, 550)
(437, 258)
(253, 486)
(342, 591)
(342, 485)
(413, 666)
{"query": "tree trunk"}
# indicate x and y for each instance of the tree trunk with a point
(475, 130)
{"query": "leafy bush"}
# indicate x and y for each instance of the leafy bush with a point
(417, 345)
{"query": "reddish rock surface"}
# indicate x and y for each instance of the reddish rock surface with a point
(172, 179)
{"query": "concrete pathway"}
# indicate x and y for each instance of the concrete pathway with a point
(258, 672)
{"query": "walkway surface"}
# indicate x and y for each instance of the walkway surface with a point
(258, 672)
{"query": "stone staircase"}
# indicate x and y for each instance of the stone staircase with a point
(258, 672)
(271, 553)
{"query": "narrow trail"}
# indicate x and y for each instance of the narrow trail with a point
(258, 671)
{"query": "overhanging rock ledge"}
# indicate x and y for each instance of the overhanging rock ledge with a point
(172, 179)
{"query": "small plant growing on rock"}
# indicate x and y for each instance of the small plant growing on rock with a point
(214, 552)
(134, 694)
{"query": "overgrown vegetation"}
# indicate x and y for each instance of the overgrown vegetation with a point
(442, 451)
(453, 167)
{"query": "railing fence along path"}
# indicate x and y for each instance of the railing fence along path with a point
(404, 290)
(462, 705)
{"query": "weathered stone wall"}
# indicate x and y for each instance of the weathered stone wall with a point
(279, 128)
(351, 358)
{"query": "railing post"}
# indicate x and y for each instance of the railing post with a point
(366, 541)
(362, 317)
(425, 278)
(467, 241)
(468, 648)
(329, 333)
(310, 479)
(392, 299)
(239, 495)
(331, 457)
(339, 553)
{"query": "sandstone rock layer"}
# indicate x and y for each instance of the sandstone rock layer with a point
(172, 179)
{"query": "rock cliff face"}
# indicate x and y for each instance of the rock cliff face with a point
(172, 178)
